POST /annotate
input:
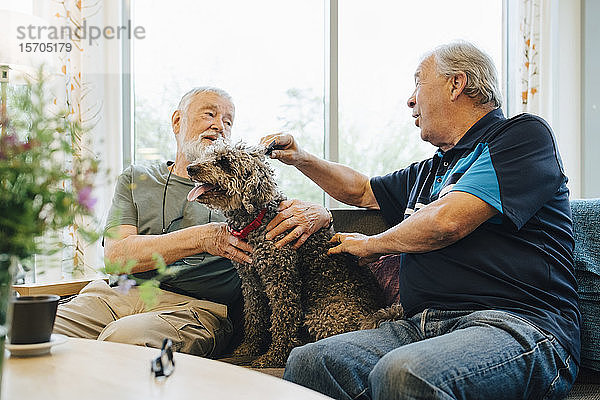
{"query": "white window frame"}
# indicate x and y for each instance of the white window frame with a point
(590, 99)
(127, 87)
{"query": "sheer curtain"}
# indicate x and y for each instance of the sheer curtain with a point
(534, 64)
(84, 78)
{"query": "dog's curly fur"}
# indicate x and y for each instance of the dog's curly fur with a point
(296, 295)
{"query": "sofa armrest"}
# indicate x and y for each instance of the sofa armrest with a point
(367, 222)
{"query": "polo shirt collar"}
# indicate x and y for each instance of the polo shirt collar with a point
(478, 130)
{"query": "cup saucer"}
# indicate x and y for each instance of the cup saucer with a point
(35, 349)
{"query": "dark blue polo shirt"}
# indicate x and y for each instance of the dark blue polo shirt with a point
(520, 260)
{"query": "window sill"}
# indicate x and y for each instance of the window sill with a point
(66, 288)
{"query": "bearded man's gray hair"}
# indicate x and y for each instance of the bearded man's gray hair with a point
(185, 99)
(482, 77)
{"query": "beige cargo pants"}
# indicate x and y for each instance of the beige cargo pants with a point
(100, 312)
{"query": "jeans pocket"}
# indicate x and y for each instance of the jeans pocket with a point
(562, 353)
(547, 335)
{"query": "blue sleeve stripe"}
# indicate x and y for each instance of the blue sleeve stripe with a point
(477, 192)
(480, 180)
(466, 162)
(461, 166)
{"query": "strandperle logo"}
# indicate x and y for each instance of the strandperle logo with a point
(83, 32)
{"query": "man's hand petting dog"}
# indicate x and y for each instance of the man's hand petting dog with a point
(285, 148)
(356, 244)
(300, 218)
(218, 241)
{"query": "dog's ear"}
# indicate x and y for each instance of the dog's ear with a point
(251, 176)
(248, 206)
(260, 183)
(252, 187)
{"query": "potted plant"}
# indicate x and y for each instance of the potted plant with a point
(45, 180)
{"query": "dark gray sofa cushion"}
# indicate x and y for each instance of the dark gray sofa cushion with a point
(586, 227)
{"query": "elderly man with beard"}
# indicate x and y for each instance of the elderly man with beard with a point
(199, 307)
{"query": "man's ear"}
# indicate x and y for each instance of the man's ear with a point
(175, 121)
(457, 85)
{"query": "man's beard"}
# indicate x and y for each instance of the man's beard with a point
(193, 149)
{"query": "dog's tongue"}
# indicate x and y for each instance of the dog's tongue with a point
(198, 190)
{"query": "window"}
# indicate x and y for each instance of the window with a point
(269, 55)
(379, 50)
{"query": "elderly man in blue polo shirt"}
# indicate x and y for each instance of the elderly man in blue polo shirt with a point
(485, 236)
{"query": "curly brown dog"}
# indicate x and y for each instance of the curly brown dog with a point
(290, 296)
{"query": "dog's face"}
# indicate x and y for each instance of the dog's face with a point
(232, 176)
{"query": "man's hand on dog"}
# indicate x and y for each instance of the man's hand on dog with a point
(300, 218)
(356, 244)
(285, 149)
(218, 241)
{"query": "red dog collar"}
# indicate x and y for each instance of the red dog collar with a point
(243, 234)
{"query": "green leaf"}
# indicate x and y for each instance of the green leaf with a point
(149, 291)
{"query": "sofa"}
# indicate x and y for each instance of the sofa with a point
(586, 220)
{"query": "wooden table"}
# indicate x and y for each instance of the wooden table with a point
(89, 369)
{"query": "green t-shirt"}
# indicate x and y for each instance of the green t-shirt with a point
(138, 201)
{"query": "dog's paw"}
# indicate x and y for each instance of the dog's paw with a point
(246, 349)
(270, 359)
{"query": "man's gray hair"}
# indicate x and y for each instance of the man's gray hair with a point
(202, 89)
(482, 77)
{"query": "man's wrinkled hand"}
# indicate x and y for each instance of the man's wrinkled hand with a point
(300, 218)
(217, 240)
(286, 148)
(353, 243)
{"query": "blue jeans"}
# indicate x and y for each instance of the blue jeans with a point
(438, 355)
